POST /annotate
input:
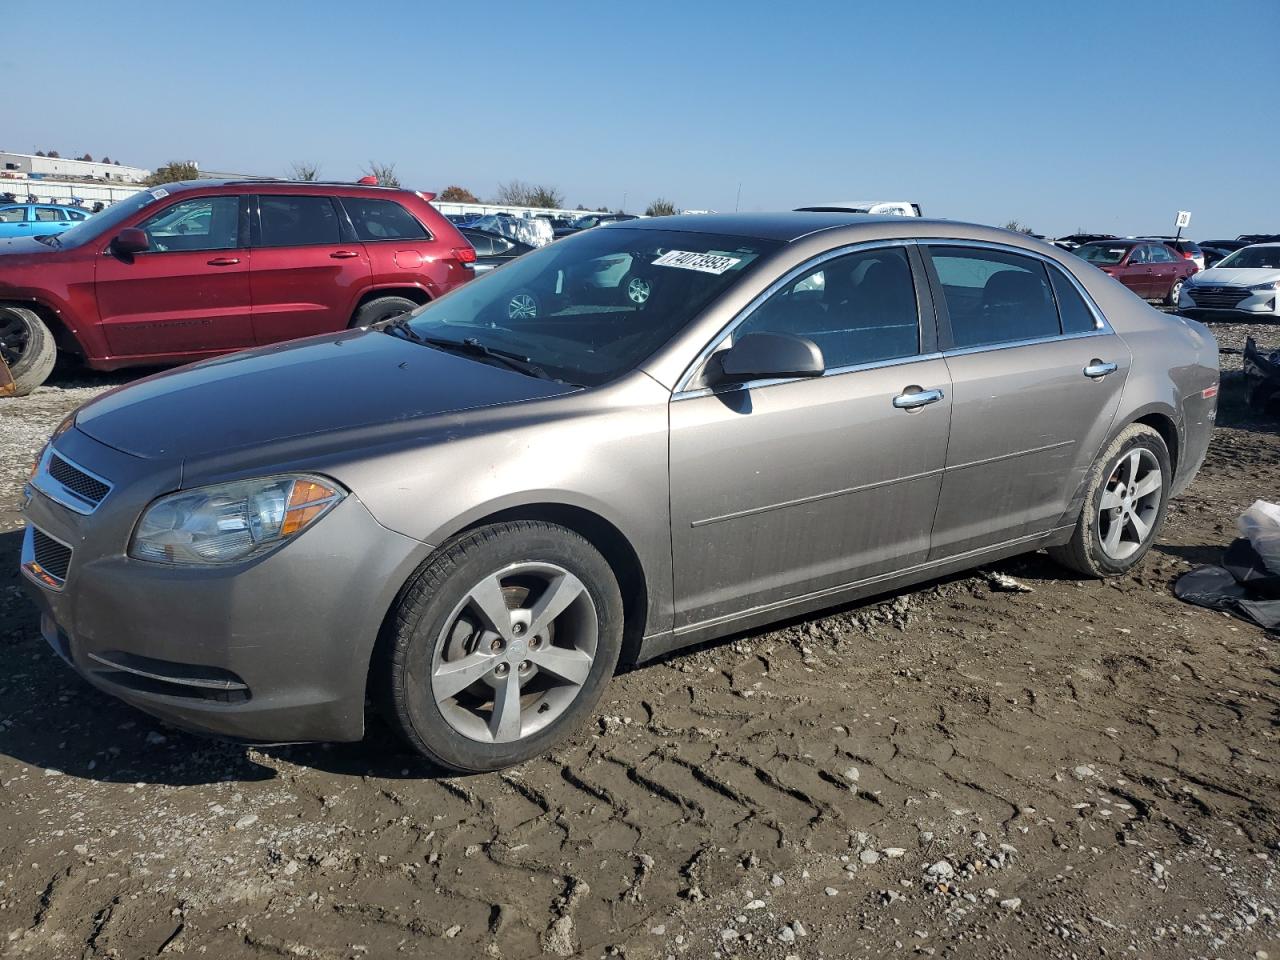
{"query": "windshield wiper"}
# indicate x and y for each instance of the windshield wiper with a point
(469, 347)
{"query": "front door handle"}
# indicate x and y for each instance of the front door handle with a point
(1097, 369)
(913, 398)
(224, 261)
(344, 254)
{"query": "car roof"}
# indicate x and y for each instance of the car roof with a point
(302, 186)
(772, 226)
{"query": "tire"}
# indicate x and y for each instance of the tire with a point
(381, 308)
(27, 346)
(635, 290)
(1094, 549)
(1174, 291)
(444, 667)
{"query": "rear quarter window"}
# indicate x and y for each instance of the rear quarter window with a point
(377, 219)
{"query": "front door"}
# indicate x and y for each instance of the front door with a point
(307, 275)
(782, 489)
(1036, 380)
(188, 293)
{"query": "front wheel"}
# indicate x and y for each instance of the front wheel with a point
(1124, 506)
(27, 346)
(501, 646)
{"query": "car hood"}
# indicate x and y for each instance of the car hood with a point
(1236, 276)
(25, 247)
(321, 385)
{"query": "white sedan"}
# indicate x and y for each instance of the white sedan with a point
(1247, 283)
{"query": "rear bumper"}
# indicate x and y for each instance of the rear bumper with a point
(275, 649)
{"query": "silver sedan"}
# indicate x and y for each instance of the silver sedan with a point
(640, 437)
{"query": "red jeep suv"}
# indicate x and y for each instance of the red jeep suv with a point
(195, 269)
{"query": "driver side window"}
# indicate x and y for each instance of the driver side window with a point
(202, 223)
(858, 308)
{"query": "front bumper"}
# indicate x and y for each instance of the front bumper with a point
(273, 649)
(1222, 302)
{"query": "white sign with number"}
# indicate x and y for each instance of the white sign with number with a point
(1184, 219)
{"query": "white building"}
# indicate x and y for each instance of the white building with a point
(26, 164)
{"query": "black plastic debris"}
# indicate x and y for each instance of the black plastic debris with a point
(1248, 582)
(1262, 376)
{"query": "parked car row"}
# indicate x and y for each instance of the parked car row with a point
(38, 219)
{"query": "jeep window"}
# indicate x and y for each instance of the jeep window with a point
(201, 223)
(298, 221)
(382, 219)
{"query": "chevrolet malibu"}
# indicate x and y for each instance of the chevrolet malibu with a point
(471, 514)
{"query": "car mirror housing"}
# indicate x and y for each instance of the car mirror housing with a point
(768, 356)
(131, 240)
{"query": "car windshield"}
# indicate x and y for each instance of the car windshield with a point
(582, 223)
(589, 308)
(1252, 258)
(106, 221)
(1101, 252)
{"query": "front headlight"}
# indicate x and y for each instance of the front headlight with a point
(227, 522)
(1264, 287)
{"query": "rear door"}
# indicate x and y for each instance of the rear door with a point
(189, 293)
(1036, 377)
(786, 488)
(308, 269)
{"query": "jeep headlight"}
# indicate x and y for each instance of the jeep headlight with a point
(227, 522)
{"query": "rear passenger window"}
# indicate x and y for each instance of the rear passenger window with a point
(1075, 313)
(382, 220)
(994, 297)
(47, 214)
(298, 221)
(859, 308)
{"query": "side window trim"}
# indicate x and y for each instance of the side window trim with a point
(925, 300)
(945, 340)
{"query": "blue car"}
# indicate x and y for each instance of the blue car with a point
(37, 219)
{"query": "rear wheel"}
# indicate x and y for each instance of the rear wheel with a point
(501, 645)
(27, 346)
(1124, 505)
(382, 308)
(1174, 292)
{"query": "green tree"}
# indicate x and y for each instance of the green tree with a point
(456, 194)
(545, 196)
(173, 171)
(1018, 227)
(384, 173)
(661, 208)
(303, 170)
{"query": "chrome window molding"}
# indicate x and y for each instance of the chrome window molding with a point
(832, 372)
(682, 390)
(47, 484)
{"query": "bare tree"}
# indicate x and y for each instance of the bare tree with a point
(513, 193)
(1018, 227)
(661, 208)
(304, 170)
(384, 173)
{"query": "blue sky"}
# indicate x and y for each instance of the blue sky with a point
(1103, 116)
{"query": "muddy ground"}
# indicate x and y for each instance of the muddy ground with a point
(1082, 770)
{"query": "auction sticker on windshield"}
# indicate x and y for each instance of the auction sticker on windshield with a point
(702, 262)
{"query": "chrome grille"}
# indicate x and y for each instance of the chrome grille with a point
(1217, 298)
(77, 480)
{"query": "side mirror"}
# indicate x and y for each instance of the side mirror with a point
(768, 356)
(131, 240)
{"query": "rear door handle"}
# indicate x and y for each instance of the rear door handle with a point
(224, 261)
(914, 397)
(1097, 369)
(344, 254)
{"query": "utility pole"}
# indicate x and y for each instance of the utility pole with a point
(738, 199)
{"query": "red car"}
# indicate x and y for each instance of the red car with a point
(195, 269)
(1147, 267)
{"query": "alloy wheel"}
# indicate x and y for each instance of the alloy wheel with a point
(638, 290)
(522, 307)
(15, 337)
(1130, 504)
(515, 652)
